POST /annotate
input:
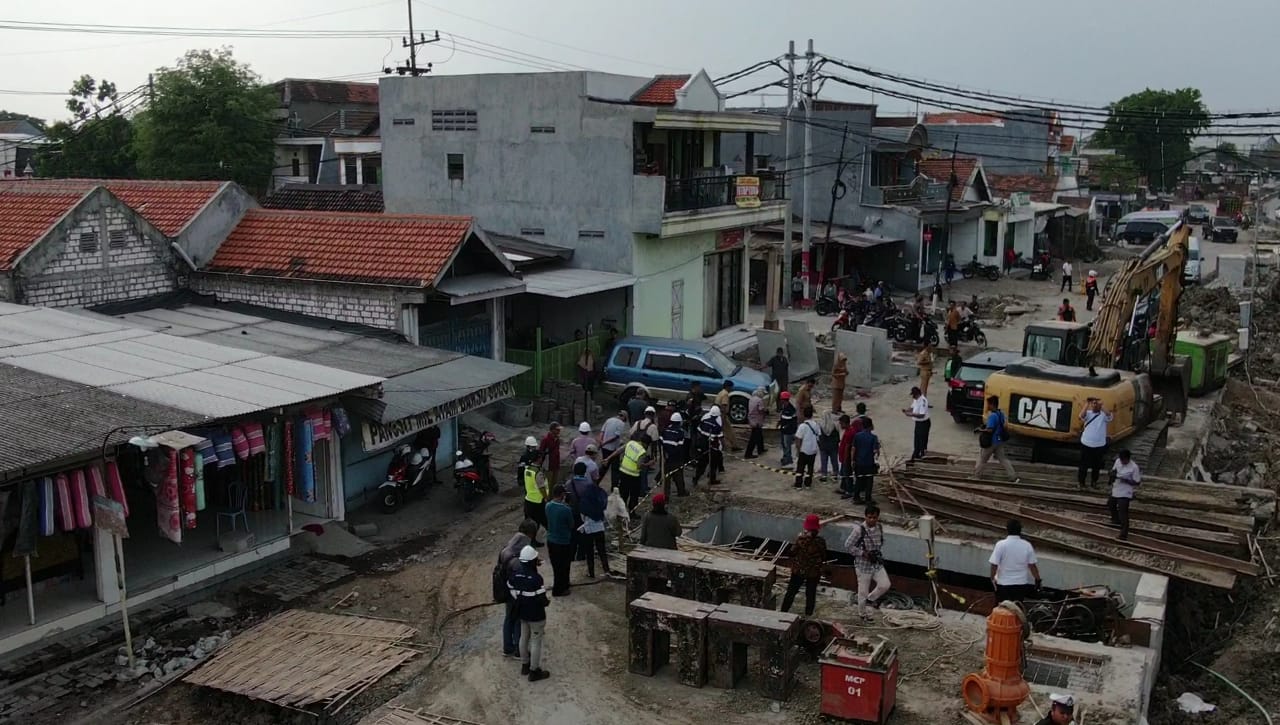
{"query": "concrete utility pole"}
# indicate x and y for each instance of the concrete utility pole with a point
(837, 192)
(808, 150)
(772, 286)
(412, 44)
(944, 244)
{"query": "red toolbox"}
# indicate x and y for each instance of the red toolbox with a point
(859, 679)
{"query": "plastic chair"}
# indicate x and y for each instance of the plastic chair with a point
(238, 497)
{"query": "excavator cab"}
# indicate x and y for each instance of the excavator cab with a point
(1064, 343)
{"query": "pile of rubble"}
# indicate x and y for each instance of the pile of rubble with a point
(997, 310)
(1216, 310)
(161, 661)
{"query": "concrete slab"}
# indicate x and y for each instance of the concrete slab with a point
(881, 351)
(801, 348)
(768, 341)
(1231, 270)
(857, 347)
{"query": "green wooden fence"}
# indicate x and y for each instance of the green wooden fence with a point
(549, 363)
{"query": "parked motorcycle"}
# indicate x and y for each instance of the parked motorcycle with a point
(476, 445)
(408, 475)
(845, 321)
(467, 480)
(978, 269)
(826, 305)
(970, 332)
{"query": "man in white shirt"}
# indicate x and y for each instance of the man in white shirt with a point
(1014, 573)
(1093, 440)
(807, 434)
(1125, 478)
(1066, 276)
(919, 411)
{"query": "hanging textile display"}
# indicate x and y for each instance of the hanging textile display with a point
(199, 464)
(187, 486)
(288, 466)
(205, 448)
(273, 452)
(28, 518)
(80, 499)
(97, 486)
(222, 449)
(168, 518)
(257, 440)
(341, 423)
(115, 487)
(319, 420)
(66, 512)
(240, 443)
(47, 506)
(306, 467)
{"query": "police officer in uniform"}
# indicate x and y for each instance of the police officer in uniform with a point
(535, 493)
(1061, 710)
(673, 454)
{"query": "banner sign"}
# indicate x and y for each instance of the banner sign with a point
(376, 436)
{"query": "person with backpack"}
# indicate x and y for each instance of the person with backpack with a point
(991, 437)
(807, 434)
(590, 502)
(502, 572)
(829, 445)
(865, 544)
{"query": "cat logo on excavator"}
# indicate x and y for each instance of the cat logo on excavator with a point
(1040, 412)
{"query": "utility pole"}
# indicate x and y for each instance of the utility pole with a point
(837, 192)
(808, 151)
(772, 291)
(945, 246)
(412, 44)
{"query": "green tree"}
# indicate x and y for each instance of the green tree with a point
(209, 118)
(97, 142)
(1154, 128)
(1115, 173)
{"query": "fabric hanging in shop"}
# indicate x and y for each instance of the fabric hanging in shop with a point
(306, 467)
(66, 512)
(341, 423)
(47, 505)
(97, 487)
(274, 452)
(187, 486)
(319, 420)
(205, 448)
(168, 518)
(115, 487)
(257, 440)
(28, 518)
(288, 458)
(240, 443)
(80, 499)
(222, 449)
(199, 462)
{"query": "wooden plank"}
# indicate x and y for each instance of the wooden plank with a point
(1102, 533)
(1047, 536)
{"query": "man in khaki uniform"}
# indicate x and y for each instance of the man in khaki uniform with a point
(722, 400)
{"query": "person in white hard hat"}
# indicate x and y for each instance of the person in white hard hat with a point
(647, 426)
(673, 452)
(709, 446)
(530, 453)
(1061, 710)
(578, 446)
(1090, 289)
(530, 595)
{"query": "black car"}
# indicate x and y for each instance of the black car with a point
(1224, 229)
(1140, 232)
(1198, 214)
(966, 390)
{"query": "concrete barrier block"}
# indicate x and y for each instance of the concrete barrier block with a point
(1153, 589)
(801, 348)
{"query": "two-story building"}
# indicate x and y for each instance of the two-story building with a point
(628, 172)
(19, 141)
(1014, 141)
(329, 133)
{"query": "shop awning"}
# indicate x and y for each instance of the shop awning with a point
(479, 287)
(422, 398)
(568, 283)
(864, 240)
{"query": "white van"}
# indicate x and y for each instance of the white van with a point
(1191, 270)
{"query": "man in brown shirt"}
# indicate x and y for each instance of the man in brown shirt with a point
(924, 362)
(808, 555)
(953, 324)
(804, 396)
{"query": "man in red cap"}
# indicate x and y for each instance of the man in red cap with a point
(660, 528)
(787, 425)
(808, 554)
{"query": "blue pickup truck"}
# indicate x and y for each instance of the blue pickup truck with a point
(668, 367)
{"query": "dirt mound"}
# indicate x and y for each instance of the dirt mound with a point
(996, 310)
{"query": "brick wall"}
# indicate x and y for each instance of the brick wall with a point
(373, 306)
(100, 256)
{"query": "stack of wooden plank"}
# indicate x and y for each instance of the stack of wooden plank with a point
(1199, 532)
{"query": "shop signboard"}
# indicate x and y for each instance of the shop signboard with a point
(376, 436)
(747, 191)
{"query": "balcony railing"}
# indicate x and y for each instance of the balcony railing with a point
(907, 194)
(707, 192)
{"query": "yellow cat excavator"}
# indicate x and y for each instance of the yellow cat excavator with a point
(1124, 358)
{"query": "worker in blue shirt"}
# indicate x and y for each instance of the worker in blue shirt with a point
(560, 527)
(866, 446)
(673, 455)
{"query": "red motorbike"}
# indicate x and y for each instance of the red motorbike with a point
(844, 321)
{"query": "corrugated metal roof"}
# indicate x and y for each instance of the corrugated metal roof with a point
(567, 283)
(479, 286)
(422, 390)
(48, 420)
(201, 377)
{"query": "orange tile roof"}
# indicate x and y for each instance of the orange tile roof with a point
(169, 205)
(392, 249)
(661, 91)
(1038, 187)
(25, 216)
(940, 170)
(962, 118)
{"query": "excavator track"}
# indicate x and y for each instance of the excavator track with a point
(1147, 446)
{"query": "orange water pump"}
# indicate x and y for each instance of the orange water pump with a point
(999, 689)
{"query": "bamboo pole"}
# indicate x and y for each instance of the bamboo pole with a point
(31, 597)
(124, 597)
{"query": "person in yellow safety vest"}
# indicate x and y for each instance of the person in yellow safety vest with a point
(635, 457)
(535, 494)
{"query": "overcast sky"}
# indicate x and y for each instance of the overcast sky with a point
(1088, 51)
